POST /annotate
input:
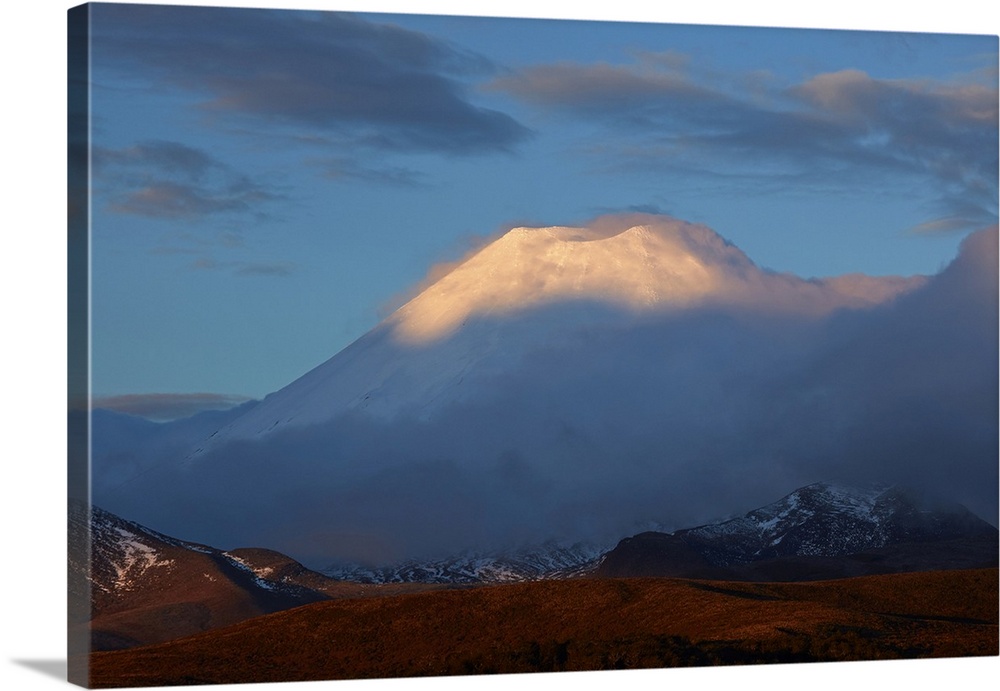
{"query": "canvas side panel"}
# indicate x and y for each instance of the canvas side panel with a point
(78, 364)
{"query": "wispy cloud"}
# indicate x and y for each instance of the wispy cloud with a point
(247, 268)
(164, 179)
(165, 199)
(168, 406)
(169, 157)
(170, 181)
(626, 94)
(345, 169)
(377, 84)
(840, 128)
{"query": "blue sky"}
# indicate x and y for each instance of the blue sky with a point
(267, 185)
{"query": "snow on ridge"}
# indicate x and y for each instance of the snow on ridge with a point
(818, 519)
(824, 518)
(135, 560)
(540, 563)
(259, 575)
(102, 520)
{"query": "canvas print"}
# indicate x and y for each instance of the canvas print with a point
(413, 345)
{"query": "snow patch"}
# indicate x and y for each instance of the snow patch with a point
(136, 560)
(258, 574)
(545, 562)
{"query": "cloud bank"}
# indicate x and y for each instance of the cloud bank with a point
(167, 406)
(832, 128)
(376, 85)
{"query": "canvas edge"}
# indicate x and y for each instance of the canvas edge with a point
(78, 120)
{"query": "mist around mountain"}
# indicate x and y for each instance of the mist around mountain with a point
(139, 586)
(147, 588)
(821, 531)
(126, 446)
(697, 387)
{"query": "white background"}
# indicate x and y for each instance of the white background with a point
(33, 334)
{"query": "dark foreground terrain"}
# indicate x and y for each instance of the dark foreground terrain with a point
(583, 624)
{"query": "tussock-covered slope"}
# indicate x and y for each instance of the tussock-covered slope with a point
(584, 624)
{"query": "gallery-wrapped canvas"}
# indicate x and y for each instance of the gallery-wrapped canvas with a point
(424, 345)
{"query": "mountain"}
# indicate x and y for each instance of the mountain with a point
(568, 384)
(144, 587)
(535, 288)
(823, 530)
(544, 562)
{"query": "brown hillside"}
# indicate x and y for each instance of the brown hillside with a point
(583, 624)
(140, 587)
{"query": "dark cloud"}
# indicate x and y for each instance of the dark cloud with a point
(165, 199)
(376, 84)
(839, 128)
(167, 406)
(163, 179)
(678, 419)
(166, 156)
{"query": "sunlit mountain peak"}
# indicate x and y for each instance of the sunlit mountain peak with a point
(661, 264)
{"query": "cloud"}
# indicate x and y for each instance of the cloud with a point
(652, 209)
(169, 180)
(167, 406)
(839, 128)
(375, 84)
(169, 157)
(855, 94)
(173, 200)
(946, 131)
(246, 268)
(346, 169)
(610, 91)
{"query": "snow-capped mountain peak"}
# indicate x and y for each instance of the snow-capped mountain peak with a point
(659, 264)
(536, 288)
(640, 268)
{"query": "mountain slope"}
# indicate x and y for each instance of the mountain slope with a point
(146, 587)
(544, 562)
(584, 624)
(823, 530)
